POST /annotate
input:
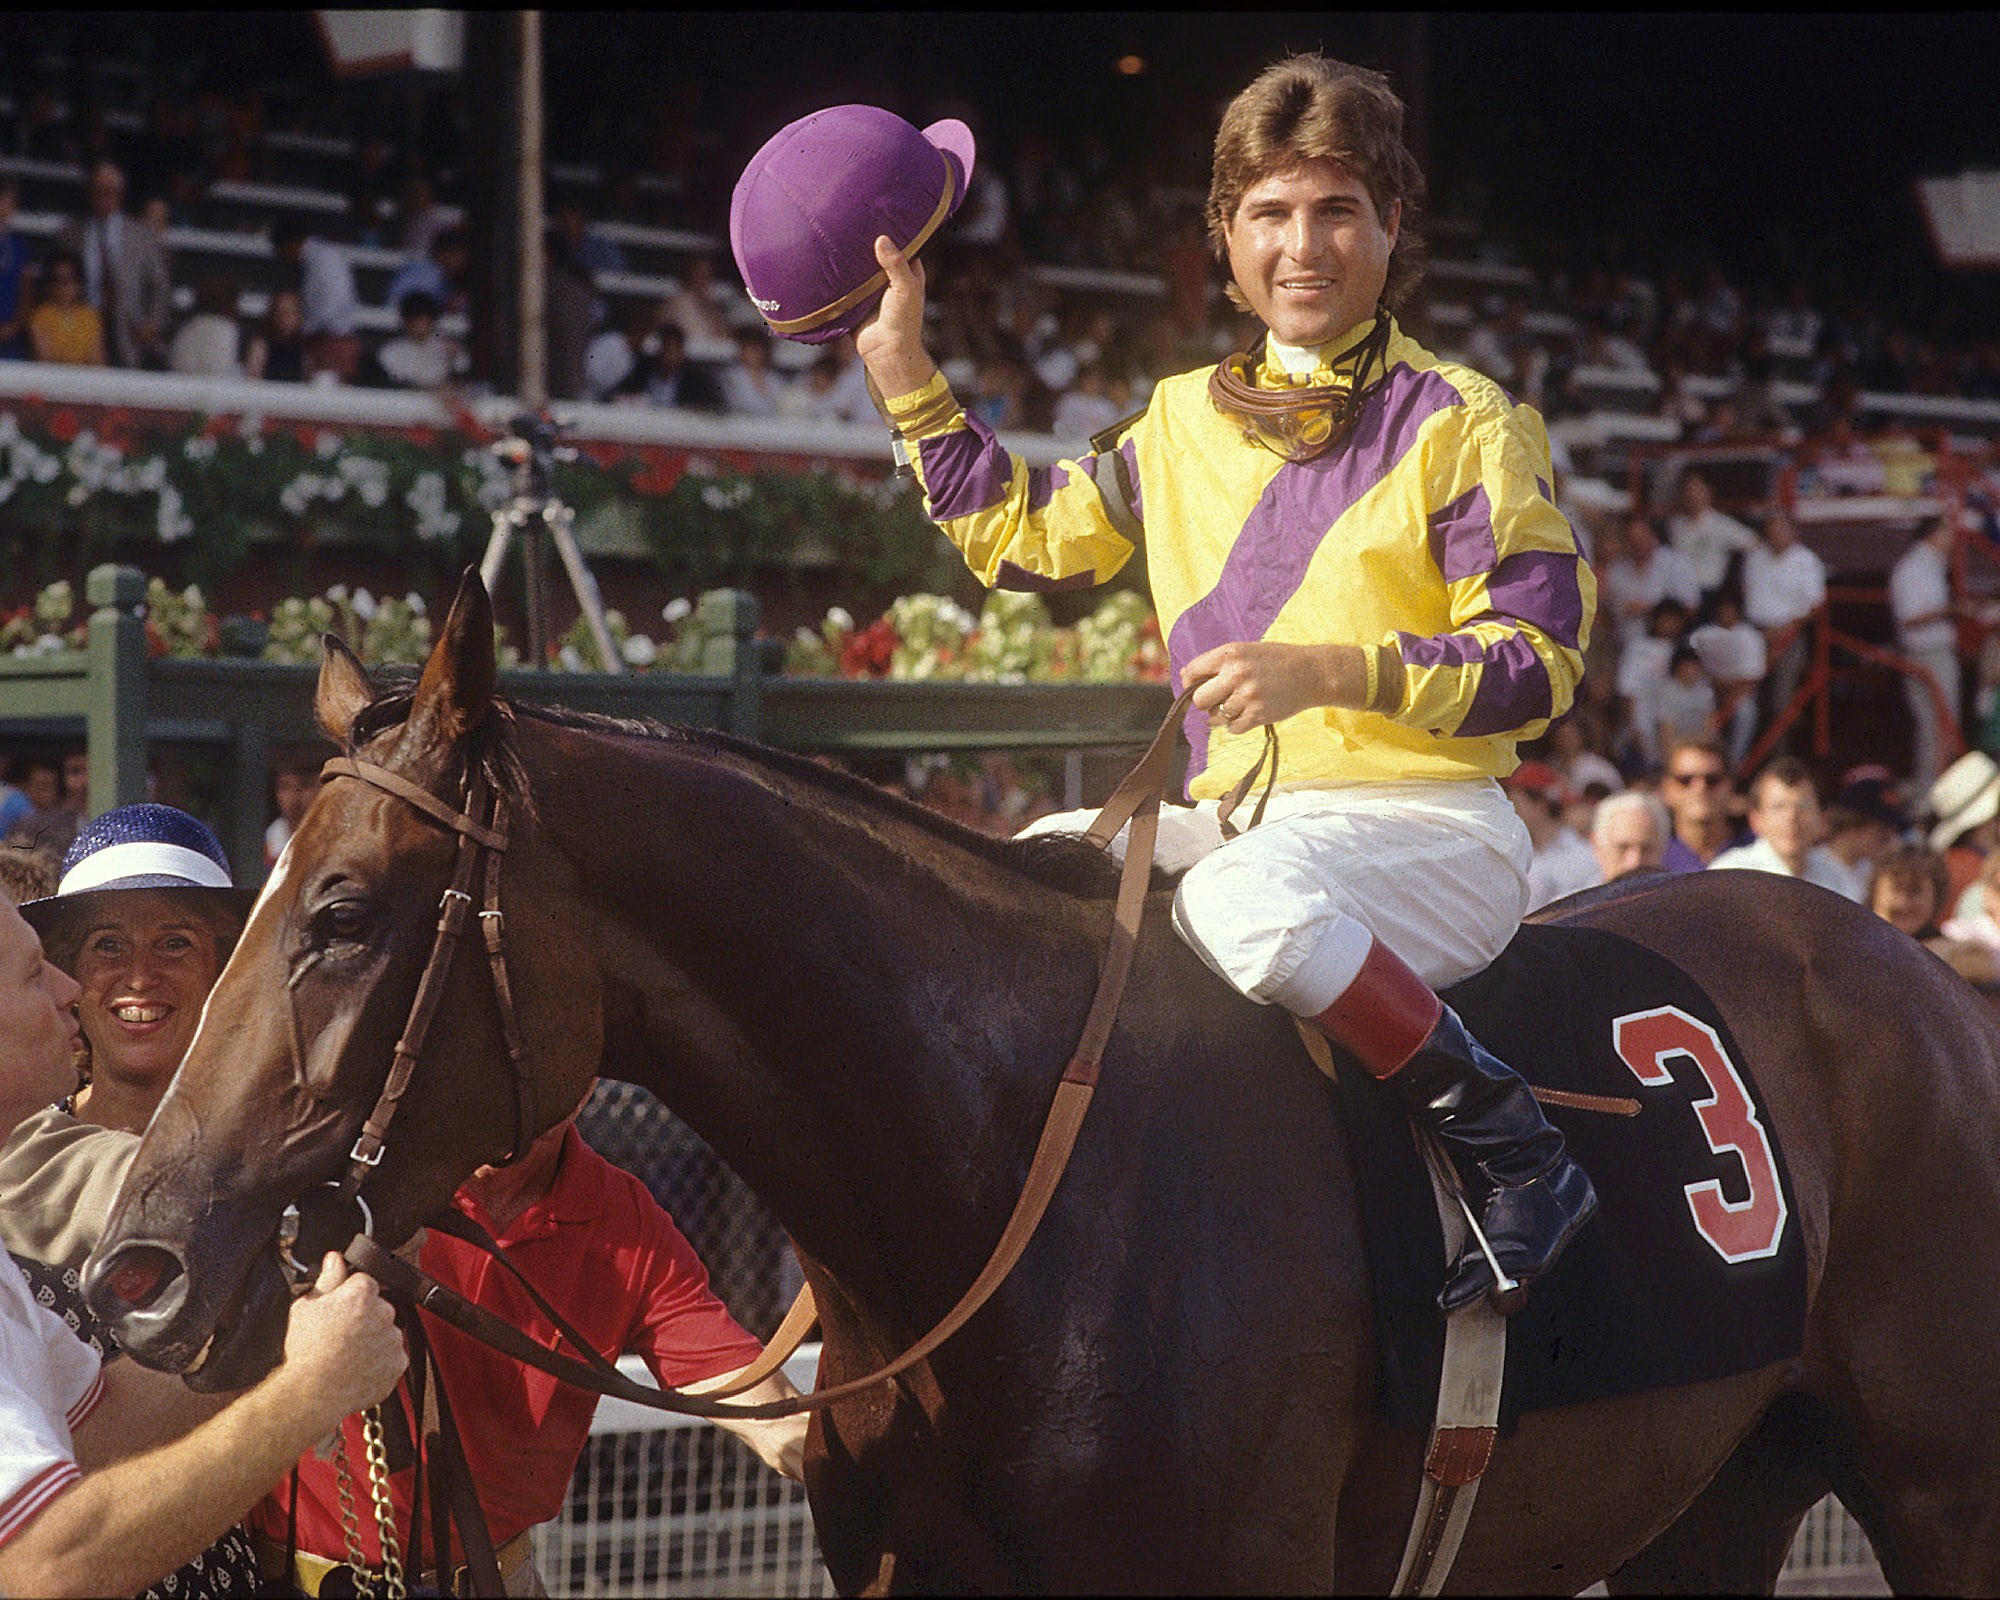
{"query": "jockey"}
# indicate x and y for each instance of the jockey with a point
(1354, 541)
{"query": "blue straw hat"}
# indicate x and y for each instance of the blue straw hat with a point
(144, 846)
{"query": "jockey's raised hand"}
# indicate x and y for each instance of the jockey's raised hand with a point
(891, 342)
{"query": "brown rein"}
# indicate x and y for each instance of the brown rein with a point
(1137, 800)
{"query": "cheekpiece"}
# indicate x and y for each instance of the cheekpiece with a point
(805, 214)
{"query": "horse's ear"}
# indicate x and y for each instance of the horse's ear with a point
(457, 687)
(344, 690)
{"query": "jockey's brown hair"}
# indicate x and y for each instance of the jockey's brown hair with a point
(1308, 106)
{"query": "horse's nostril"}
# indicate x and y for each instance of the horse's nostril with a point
(138, 1276)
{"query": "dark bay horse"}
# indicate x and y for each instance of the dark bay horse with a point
(864, 1009)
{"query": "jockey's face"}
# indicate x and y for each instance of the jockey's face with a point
(1309, 251)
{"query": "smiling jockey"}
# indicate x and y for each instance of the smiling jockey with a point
(1345, 537)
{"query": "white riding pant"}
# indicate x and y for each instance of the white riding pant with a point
(1438, 871)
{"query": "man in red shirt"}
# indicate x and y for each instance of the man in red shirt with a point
(595, 1243)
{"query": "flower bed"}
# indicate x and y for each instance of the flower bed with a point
(920, 637)
(81, 484)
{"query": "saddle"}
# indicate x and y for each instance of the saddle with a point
(1694, 1267)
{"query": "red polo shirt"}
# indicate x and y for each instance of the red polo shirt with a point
(601, 1250)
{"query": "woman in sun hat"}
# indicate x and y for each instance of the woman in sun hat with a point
(1963, 804)
(144, 916)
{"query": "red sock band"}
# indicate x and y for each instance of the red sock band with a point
(1384, 1015)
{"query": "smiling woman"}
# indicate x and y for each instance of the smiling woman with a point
(143, 918)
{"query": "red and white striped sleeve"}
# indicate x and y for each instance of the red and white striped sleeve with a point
(50, 1380)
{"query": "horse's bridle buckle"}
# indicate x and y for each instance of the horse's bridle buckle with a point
(289, 1225)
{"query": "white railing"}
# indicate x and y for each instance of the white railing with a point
(342, 405)
(666, 1506)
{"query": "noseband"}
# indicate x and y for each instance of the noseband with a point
(480, 844)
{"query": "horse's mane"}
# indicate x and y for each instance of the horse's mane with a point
(1064, 862)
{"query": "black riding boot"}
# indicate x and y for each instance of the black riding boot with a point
(1534, 1198)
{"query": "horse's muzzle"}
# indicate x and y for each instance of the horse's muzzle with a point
(139, 1287)
(143, 1292)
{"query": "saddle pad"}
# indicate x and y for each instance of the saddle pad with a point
(1693, 1268)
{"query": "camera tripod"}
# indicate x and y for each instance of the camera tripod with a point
(533, 510)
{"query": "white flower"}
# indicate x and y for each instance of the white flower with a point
(364, 605)
(172, 523)
(45, 469)
(338, 594)
(676, 609)
(77, 495)
(639, 651)
(326, 444)
(415, 602)
(196, 448)
(569, 658)
(841, 618)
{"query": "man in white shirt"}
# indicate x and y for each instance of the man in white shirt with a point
(327, 297)
(1926, 632)
(1737, 657)
(1786, 817)
(1784, 583)
(1643, 575)
(1706, 538)
(1563, 863)
(111, 1475)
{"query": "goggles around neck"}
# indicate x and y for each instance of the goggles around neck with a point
(1304, 420)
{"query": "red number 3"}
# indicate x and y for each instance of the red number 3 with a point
(1744, 1230)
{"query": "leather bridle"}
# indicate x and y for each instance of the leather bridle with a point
(478, 843)
(1137, 801)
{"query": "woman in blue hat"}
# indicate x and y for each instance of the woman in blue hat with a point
(144, 916)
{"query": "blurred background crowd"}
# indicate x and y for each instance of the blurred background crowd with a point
(1716, 370)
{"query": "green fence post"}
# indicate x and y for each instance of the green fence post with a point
(245, 802)
(115, 699)
(730, 618)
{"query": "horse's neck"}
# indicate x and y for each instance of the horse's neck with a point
(863, 1018)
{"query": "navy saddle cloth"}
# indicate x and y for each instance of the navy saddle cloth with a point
(1693, 1268)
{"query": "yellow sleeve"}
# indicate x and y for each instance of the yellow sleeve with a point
(1521, 595)
(1018, 527)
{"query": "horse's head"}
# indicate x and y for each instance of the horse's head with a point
(296, 1043)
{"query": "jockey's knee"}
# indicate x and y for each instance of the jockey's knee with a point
(1270, 946)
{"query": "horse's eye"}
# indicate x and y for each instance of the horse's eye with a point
(342, 921)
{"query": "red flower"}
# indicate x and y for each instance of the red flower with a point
(423, 438)
(658, 476)
(867, 654)
(64, 425)
(155, 645)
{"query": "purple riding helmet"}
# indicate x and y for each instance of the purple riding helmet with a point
(805, 214)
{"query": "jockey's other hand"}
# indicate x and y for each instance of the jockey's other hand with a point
(1251, 682)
